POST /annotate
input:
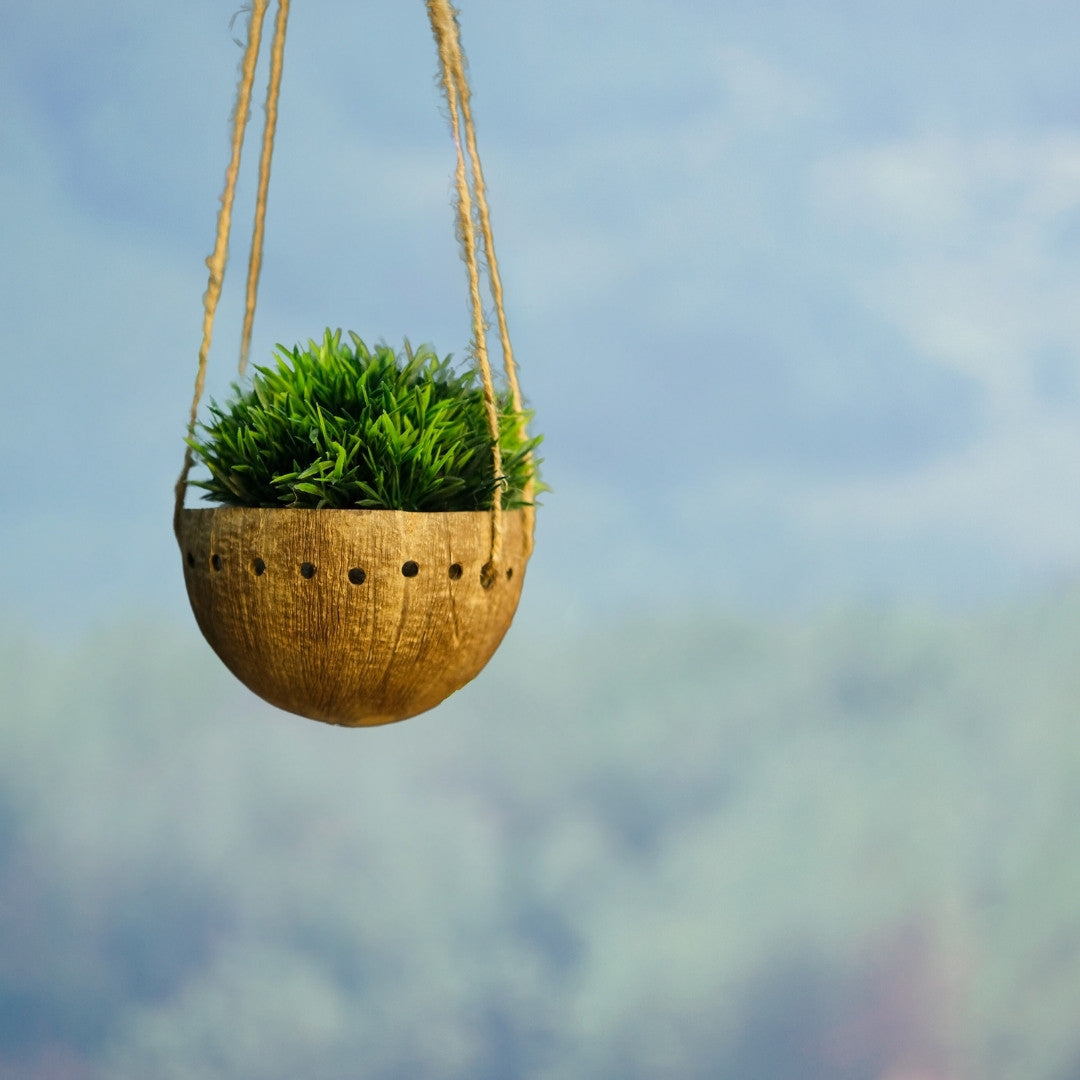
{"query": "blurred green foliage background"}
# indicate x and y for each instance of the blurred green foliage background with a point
(839, 848)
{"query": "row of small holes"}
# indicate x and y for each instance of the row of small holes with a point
(356, 575)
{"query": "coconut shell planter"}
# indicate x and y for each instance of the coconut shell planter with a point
(375, 508)
(354, 617)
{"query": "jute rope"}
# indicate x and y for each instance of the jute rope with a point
(458, 66)
(465, 95)
(452, 63)
(216, 262)
(273, 92)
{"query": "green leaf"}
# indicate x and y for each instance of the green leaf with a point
(345, 425)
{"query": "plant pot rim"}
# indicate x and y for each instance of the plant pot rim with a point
(230, 508)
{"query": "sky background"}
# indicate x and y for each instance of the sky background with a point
(793, 286)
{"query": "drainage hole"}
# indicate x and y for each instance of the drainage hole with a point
(215, 561)
(509, 572)
(411, 569)
(190, 559)
(258, 566)
(357, 576)
(307, 570)
(455, 571)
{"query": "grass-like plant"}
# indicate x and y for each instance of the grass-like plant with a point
(334, 425)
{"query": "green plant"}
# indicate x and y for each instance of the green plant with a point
(339, 426)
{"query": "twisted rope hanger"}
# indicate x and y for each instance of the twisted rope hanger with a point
(443, 18)
(219, 256)
(273, 92)
(444, 24)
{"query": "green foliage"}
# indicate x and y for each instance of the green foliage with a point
(342, 427)
(775, 848)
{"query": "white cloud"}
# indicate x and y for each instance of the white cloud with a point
(937, 186)
(1016, 488)
(762, 94)
(971, 261)
(961, 246)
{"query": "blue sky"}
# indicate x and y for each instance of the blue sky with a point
(793, 286)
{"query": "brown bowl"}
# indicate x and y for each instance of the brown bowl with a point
(353, 617)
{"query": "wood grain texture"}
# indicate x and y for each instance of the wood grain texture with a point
(278, 595)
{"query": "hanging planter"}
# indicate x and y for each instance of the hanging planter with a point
(378, 510)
